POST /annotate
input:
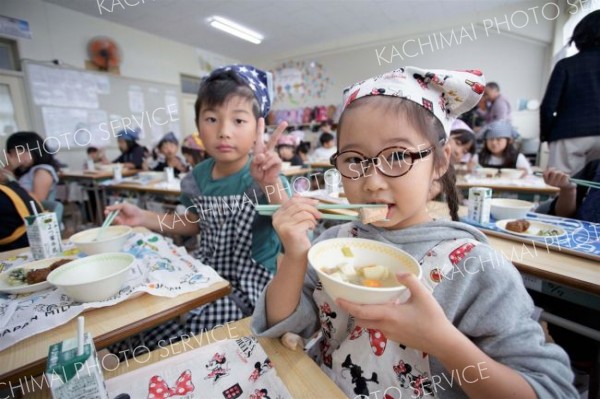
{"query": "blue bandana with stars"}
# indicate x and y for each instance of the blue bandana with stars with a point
(260, 82)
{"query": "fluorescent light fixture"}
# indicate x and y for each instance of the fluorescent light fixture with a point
(235, 29)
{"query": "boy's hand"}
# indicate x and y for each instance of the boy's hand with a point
(556, 178)
(292, 222)
(266, 164)
(419, 323)
(129, 214)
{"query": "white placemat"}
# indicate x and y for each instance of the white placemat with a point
(161, 269)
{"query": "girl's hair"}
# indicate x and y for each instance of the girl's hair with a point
(586, 34)
(509, 155)
(303, 147)
(464, 137)
(32, 143)
(130, 144)
(216, 89)
(197, 155)
(431, 129)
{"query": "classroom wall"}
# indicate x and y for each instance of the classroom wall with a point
(519, 60)
(60, 33)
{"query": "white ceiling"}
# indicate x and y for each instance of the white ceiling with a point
(290, 27)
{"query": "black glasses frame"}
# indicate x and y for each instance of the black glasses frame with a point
(412, 155)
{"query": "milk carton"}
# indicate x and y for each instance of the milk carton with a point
(43, 235)
(480, 202)
(71, 375)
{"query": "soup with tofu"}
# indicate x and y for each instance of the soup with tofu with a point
(374, 276)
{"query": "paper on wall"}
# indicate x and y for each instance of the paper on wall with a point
(102, 84)
(136, 100)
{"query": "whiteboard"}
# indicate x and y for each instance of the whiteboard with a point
(74, 108)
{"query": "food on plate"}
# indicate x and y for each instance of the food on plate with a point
(347, 252)
(375, 214)
(548, 233)
(21, 276)
(366, 275)
(518, 226)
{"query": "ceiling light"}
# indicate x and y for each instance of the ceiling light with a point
(235, 29)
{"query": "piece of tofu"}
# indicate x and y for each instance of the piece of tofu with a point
(347, 270)
(338, 276)
(370, 215)
(376, 272)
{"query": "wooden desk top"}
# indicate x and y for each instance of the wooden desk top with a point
(537, 260)
(320, 165)
(296, 172)
(107, 325)
(461, 183)
(302, 377)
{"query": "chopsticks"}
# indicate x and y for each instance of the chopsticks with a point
(579, 182)
(269, 210)
(107, 222)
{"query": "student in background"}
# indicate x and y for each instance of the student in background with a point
(193, 150)
(574, 201)
(33, 166)
(220, 193)
(499, 151)
(326, 150)
(15, 205)
(97, 155)
(132, 154)
(168, 146)
(286, 148)
(302, 151)
(462, 142)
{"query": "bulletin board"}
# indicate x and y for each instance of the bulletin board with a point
(75, 108)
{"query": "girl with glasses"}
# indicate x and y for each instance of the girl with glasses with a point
(470, 313)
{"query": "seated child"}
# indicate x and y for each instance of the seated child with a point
(35, 168)
(469, 314)
(237, 242)
(499, 151)
(326, 150)
(15, 205)
(168, 146)
(193, 150)
(97, 155)
(574, 201)
(286, 148)
(302, 151)
(132, 154)
(462, 141)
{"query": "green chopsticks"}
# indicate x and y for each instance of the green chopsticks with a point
(269, 210)
(579, 182)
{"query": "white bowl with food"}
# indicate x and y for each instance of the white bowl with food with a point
(362, 271)
(113, 239)
(505, 208)
(30, 277)
(93, 278)
(508, 173)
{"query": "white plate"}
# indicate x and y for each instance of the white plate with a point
(26, 288)
(534, 228)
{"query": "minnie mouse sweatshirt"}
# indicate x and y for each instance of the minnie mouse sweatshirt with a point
(483, 296)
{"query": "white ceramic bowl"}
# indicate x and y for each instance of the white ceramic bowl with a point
(105, 167)
(112, 240)
(507, 173)
(487, 172)
(503, 208)
(94, 278)
(329, 253)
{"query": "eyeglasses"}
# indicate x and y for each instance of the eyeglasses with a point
(391, 161)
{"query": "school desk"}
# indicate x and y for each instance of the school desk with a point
(91, 181)
(522, 186)
(300, 374)
(107, 325)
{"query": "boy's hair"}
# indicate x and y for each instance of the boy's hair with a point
(32, 143)
(586, 34)
(197, 155)
(493, 85)
(303, 147)
(91, 150)
(464, 137)
(325, 138)
(423, 121)
(216, 89)
(510, 155)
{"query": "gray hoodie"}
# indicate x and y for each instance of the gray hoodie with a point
(485, 299)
